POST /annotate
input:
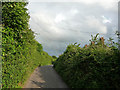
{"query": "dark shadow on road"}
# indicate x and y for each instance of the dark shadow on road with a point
(39, 84)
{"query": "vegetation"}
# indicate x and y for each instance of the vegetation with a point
(54, 57)
(94, 66)
(21, 53)
(0, 56)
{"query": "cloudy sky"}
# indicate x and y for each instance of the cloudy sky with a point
(59, 24)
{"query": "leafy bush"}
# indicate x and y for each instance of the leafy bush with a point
(54, 57)
(21, 53)
(39, 47)
(93, 66)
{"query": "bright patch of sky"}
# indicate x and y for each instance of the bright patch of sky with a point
(105, 20)
(59, 18)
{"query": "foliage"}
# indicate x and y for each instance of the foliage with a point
(39, 47)
(54, 57)
(94, 38)
(21, 53)
(94, 66)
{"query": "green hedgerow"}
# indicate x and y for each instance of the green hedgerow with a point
(94, 66)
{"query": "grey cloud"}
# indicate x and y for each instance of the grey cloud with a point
(76, 26)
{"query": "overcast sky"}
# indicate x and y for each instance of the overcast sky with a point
(61, 23)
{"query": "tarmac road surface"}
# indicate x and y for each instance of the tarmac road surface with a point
(45, 77)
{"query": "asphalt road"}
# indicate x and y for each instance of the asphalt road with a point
(45, 77)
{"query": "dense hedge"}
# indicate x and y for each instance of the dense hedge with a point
(21, 53)
(93, 66)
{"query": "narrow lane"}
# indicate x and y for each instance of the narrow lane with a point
(45, 77)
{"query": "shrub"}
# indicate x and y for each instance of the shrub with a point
(94, 66)
(21, 53)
